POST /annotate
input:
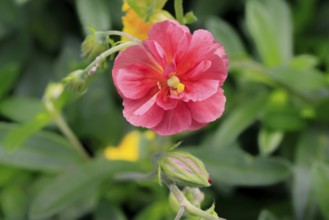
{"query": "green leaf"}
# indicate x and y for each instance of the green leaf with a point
(145, 8)
(69, 185)
(159, 210)
(302, 82)
(268, 141)
(234, 166)
(305, 61)
(14, 202)
(320, 183)
(17, 136)
(266, 215)
(238, 120)
(227, 36)
(106, 211)
(43, 151)
(312, 146)
(269, 23)
(8, 75)
(12, 108)
(94, 13)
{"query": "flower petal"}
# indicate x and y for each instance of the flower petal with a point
(164, 101)
(209, 109)
(200, 90)
(175, 120)
(143, 112)
(135, 81)
(170, 35)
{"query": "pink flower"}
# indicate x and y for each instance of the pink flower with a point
(172, 82)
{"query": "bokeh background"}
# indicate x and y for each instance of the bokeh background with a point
(268, 156)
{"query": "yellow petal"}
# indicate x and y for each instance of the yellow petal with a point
(128, 149)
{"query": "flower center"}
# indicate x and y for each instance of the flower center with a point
(176, 87)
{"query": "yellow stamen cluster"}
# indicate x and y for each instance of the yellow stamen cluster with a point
(176, 87)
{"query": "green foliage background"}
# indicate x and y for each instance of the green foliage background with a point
(268, 156)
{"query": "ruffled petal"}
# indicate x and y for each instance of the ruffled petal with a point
(200, 90)
(143, 112)
(209, 109)
(170, 35)
(164, 101)
(137, 80)
(175, 120)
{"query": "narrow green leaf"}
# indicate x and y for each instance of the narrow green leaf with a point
(238, 120)
(43, 151)
(234, 166)
(80, 179)
(8, 75)
(17, 136)
(269, 23)
(268, 141)
(320, 183)
(12, 108)
(227, 36)
(94, 13)
(312, 146)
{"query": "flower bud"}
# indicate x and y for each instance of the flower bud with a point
(184, 169)
(94, 44)
(77, 81)
(193, 195)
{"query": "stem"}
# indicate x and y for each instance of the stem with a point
(122, 34)
(180, 213)
(179, 11)
(191, 209)
(65, 129)
(108, 52)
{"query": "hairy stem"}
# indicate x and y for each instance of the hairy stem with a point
(109, 52)
(122, 34)
(191, 209)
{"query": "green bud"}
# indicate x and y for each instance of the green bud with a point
(77, 81)
(94, 44)
(183, 169)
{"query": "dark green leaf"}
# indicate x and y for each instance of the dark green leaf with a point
(80, 179)
(42, 151)
(8, 75)
(106, 211)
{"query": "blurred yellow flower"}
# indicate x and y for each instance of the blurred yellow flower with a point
(135, 26)
(128, 149)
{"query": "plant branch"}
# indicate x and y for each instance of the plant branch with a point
(179, 11)
(191, 209)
